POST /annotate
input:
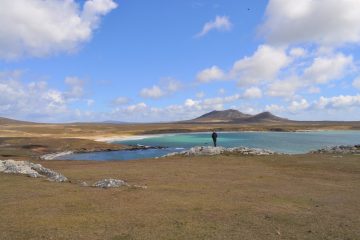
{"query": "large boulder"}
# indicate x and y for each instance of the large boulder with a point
(30, 169)
(110, 183)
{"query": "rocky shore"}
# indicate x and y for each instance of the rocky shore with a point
(208, 151)
(343, 149)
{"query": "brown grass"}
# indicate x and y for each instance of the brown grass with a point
(220, 197)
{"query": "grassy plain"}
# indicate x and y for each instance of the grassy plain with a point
(218, 197)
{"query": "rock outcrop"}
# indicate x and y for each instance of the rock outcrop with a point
(110, 183)
(355, 149)
(208, 151)
(31, 170)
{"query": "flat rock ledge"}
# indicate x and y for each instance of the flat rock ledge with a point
(343, 149)
(209, 151)
(31, 170)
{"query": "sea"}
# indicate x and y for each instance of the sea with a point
(282, 142)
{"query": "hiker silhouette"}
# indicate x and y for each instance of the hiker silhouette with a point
(214, 137)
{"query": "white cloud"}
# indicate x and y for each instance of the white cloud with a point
(221, 23)
(136, 108)
(210, 74)
(253, 92)
(36, 100)
(39, 28)
(222, 91)
(262, 67)
(301, 105)
(153, 92)
(168, 86)
(314, 90)
(298, 52)
(342, 101)
(326, 22)
(356, 83)
(285, 88)
(325, 69)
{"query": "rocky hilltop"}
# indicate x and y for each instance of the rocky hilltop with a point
(235, 116)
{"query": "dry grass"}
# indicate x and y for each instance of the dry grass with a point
(95, 131)
(220, 197)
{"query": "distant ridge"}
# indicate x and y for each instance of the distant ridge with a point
(235, 116)
(222, 116)
(8, 121)
(265, 117)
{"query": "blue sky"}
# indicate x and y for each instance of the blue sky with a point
(144, 61)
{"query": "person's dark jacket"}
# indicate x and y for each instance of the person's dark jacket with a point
(214, 135)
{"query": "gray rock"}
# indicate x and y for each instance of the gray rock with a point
(208, 151)
(342, 149)
(30, 169)
(110, 183)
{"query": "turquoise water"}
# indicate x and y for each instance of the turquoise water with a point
(285, 142)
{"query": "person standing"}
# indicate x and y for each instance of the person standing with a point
(214, 137)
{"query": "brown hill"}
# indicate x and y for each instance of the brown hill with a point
(9, 121)
(221, 116)
(235, 116)
(264, 117)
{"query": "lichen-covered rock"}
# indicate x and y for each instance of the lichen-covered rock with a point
(30, 169)
(208, 151)
(110, 183)
(342, 149)
(52, 175)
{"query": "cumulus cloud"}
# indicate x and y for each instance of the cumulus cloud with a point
(298, 52)
(153, 92)
(210, 74)
(262, 67)
(253, 92)
(325, 22)
(342, 101)
(36, 100)
(221, 23)
(296, 106)
(168, 86)
(285, 88)
(325, 69)
(39, 28)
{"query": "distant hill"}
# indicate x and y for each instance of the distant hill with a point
(8, 121)
(235, 116)
(265, 117)
(221, 116)
(115, 122)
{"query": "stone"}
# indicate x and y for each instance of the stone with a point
(342, 149)
(208, 151)
(30, 169)
(110, 183)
